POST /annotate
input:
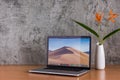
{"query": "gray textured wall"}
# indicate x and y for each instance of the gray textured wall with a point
(25, 25)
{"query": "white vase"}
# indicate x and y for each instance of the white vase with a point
(100, 57)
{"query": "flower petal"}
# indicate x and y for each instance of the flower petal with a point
(112, 16)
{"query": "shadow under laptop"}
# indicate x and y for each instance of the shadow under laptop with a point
(54, 77)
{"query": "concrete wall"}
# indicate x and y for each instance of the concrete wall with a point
(25, 25)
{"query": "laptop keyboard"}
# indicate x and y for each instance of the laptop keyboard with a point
(63, 69)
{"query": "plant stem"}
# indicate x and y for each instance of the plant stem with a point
(99, 39)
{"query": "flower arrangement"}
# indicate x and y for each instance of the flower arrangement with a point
(99, 17)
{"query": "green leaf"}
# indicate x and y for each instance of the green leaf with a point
(87, 28)
(110, 34)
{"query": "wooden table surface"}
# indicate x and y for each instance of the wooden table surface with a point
(112, 72)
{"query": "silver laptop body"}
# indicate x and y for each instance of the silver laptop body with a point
(69, 55)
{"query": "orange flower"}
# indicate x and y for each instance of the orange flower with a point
(112, 16)
(99, 17)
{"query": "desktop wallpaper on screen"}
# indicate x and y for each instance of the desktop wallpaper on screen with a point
(69, 51)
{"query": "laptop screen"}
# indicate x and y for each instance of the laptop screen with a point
(69, 51)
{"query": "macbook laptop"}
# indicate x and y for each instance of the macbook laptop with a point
(67, 56)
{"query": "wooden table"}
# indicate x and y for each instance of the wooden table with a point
(112, 72)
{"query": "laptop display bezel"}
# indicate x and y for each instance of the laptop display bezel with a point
(71, 67)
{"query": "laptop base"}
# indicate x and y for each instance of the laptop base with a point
(59, 72)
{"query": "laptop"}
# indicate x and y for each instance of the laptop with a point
(68, 55)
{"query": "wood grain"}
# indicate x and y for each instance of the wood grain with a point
(21, 73)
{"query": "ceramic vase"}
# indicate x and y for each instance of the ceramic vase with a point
(100, 57)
